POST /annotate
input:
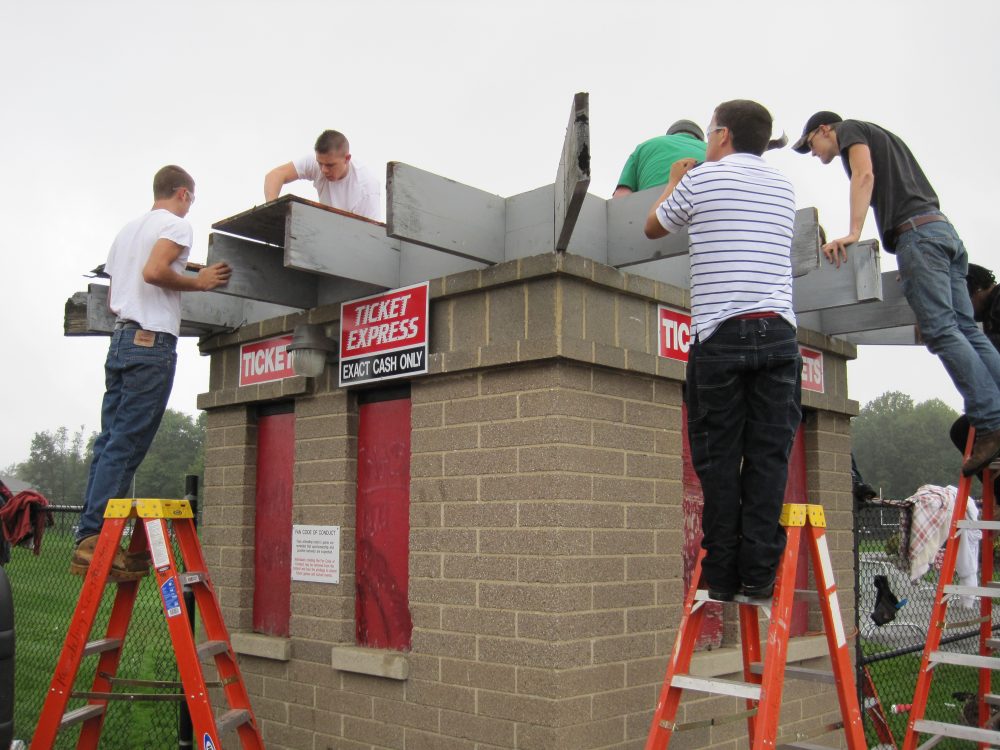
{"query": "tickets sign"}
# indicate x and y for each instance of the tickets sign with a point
(812, 369)
(384, 336)
(674, 334)
(264, 361)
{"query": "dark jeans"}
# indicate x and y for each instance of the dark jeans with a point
(744, 388)
(137, 381)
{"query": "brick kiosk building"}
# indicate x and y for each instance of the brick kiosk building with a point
(541, 471)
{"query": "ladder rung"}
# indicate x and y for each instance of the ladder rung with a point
(83, 713)
(701, 595)
(802, 746)
(992, 700)
(984, 525)
(232, 719)
(993, 643)
(985, 591)
(958, 731)
(799, 673)
(211, 648)
(717, 686)
(191, 577)
(965, 660)
(102, 645)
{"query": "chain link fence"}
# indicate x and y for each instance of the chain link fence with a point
(891, 652)
(45, 596)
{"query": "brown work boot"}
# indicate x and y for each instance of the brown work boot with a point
(138, 562)
(84, 553)
(984, 450)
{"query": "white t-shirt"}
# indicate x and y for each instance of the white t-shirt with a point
(154, 308)
(358, 191)
(740, 214)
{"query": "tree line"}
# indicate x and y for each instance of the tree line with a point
(58, 463)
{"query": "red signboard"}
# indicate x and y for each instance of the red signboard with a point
(264, 361)
(384, 336)
(812, 369)
(674, 334)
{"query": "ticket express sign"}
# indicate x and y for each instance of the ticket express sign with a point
(674, 335)
(384, 336)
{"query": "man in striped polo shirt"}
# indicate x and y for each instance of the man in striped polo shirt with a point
(744, 373)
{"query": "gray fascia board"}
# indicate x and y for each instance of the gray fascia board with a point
(573, 174)
(529, 223)
(430, 210)
(627, 242)
(418, 263)
(336, 245)
(890, 312)
(259, 272)
(590, 237)
(897, 336)
(831, 286)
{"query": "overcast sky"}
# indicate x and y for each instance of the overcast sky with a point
(98, 95)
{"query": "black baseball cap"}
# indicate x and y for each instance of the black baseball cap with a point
(686, 126)
(820, 118)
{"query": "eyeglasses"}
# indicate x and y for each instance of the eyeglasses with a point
(190, 196)
(712, 130)
(809, 138)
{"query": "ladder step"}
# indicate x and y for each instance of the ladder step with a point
(717, 686)
(992, 700)
(192, 577)
(984, 591)
(211, 648)
(232, 719)
(799, 673)
(957, 731)
(965, 660)
(81, 714)
(984, 525)
(804, 746)
(102, 645)
(701, 595)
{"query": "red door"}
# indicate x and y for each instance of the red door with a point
(382, 609)
(273, 522)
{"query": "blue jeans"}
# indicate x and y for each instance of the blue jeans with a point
(137, 381)
(933, 265)
(744, 388)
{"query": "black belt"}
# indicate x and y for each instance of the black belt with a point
(125, 323)
(917, 221)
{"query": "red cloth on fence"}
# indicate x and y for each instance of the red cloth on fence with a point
(23, 519)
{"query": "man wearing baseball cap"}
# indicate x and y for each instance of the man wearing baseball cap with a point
(650, 163)
(932, 260)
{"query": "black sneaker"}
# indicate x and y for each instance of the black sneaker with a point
(758, 592)
(721, 596)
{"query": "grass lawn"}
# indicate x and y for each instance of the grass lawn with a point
(45, 596)
(895, 680)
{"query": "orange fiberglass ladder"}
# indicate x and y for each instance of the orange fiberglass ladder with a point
(150, 533)
(764, 673)
(988, 590)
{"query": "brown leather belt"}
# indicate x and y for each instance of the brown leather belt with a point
(917, 221)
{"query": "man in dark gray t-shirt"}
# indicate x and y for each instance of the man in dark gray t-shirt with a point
(932, 260)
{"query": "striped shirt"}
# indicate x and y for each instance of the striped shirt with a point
(739, 213)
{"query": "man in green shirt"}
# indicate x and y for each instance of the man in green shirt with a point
(650, 163)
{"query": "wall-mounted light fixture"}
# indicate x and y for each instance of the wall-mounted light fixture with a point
(311, 349)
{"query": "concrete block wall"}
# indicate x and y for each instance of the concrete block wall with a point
(545, 513)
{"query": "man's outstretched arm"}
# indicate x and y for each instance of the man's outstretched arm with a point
(859, 156)
(276, 178)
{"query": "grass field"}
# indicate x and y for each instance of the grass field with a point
(45, 595)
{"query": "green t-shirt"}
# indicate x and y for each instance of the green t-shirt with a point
(650, 163)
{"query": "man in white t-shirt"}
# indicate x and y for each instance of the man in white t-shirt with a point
(743, 382)
(146, 265)
(339, 180)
